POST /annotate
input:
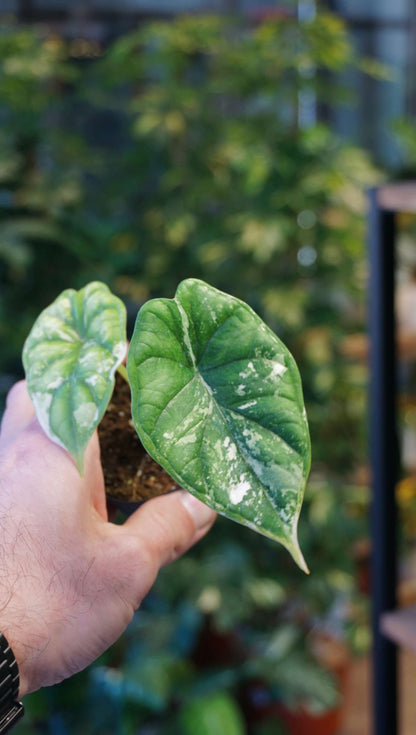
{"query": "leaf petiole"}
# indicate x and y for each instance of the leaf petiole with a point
(123, 372)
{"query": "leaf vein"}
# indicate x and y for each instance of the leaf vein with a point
(217, 329)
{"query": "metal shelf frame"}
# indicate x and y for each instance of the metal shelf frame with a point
(384, 204)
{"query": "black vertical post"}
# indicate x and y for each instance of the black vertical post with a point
(384, 459)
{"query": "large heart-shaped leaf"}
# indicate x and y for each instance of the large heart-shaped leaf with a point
(217, 401)
(70, 358)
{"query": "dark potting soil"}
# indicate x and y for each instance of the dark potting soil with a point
(130, 474)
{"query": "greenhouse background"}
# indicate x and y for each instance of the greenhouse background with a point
(142, 143)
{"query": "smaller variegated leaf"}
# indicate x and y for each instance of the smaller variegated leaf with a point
(70, 358)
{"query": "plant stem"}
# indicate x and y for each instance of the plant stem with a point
(123, 372)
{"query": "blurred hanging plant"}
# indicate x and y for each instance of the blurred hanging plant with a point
(220, 180)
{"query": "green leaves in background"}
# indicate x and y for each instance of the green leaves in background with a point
(70, 358)
(214, 714)
(217, 401)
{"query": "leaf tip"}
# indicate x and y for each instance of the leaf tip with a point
(79, 461)
(297, 555)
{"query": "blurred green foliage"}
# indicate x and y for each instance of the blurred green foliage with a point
(181, 152)
(405, 133)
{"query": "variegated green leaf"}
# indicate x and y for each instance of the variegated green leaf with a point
(217, 401)
(70, 358)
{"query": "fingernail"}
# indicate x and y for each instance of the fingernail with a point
(199, 512)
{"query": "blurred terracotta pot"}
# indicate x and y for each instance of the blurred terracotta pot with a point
(308, 723)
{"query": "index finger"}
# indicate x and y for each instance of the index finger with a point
(19, 411)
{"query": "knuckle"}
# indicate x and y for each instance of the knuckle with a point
(31, 442)
(136, 567)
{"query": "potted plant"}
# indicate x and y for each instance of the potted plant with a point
(216, 397)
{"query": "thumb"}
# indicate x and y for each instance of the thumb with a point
(169, 525)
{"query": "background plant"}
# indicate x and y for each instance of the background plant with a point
(180, 153)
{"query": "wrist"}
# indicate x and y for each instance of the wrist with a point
(11, 710)
(26, 660)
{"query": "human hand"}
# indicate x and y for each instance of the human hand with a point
(70, 580)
